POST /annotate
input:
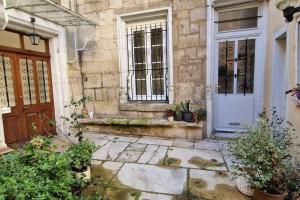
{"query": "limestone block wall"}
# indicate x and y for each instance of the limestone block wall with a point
(100, 59)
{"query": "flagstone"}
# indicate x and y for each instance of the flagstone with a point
(110, 151)
(113, 166)
(121, 138)
(148, 154)
(207, 144)
(186, 155)
(129, 156)
(153, 196)
(156, 141)
(152, 178)
(159, 155)
(136, 147)
(183, 143)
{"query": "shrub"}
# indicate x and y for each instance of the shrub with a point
(263, 155)
(81, 155)
(36, 172)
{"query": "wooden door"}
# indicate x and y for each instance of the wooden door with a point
(9, 97)
(36, 95)
(28, 91)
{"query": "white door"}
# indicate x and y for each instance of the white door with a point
(234, 84)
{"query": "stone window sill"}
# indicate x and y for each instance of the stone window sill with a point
(144, 107)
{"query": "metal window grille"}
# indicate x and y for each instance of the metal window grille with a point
(147, 51)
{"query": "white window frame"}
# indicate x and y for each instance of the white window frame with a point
(123, 22)
(149, 78)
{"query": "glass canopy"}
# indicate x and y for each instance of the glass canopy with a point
(51, 11)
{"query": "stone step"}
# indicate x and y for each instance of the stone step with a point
(144, 127)
(226, 135)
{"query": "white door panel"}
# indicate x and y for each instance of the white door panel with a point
(234, 112)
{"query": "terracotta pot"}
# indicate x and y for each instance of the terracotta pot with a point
(85, 175)
(260, 195)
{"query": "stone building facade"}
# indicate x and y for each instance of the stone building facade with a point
(98, 68)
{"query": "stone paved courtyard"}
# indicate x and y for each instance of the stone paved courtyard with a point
(162, 169)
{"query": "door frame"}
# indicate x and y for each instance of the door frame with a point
(20, 21)
(212, 35)
(215, 76)
(282, 32)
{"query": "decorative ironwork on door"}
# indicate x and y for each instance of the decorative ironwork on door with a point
(236, 67)
(7, 94)
(147, 78)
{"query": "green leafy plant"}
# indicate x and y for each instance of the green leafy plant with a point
(81, 155)
(201, 113)
(186, 107)
(263, 155)
(36, 172)
(75, 116)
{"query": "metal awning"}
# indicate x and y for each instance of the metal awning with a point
(51, 11)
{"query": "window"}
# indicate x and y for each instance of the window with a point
(237, 19)
(147, 78)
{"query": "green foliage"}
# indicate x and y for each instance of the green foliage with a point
(75, 116)
(81, 155)
(37, 173)
(186, 106)
(263, 155)
(201, 113)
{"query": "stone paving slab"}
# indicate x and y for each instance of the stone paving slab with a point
(186, 156)
(208, 144)
(159, 155)
(121, 138)
(136, 147)
(156, 141)
(114, 167)
(153, 178)
(93, 135)
(110, 151)
(129, 156)
(152, 196)
(184, 143)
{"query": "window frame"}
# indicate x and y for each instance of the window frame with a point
(239, 7)
(146, 27)
(127, 18)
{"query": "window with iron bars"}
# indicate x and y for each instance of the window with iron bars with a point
(147, 51)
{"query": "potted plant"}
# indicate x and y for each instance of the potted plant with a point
(178, 112)
(81, 156)
(170, 115)
(187, 111)
(263, 156)
(294, 91)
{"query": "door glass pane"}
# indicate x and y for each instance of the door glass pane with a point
(157, 61)
(237, 19)
(7, 94)
(140, 63)
(226, 67)
(28, 84)
(43, 81)
(245, 66)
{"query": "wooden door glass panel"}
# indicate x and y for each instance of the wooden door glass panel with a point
(43, 81)
(7, 93)
(28, 83)
(226, 67)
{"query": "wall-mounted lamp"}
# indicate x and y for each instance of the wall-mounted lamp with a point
(34, 38)
(288, 8)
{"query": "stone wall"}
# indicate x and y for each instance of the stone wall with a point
(100, 60)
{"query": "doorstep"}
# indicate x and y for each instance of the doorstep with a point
(5, 150)
(144, 126)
